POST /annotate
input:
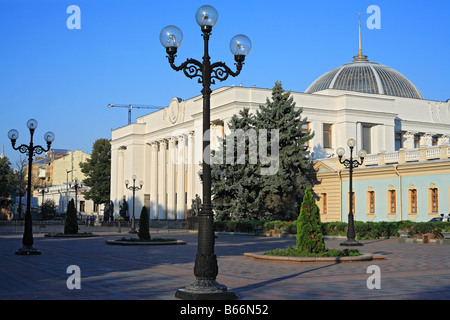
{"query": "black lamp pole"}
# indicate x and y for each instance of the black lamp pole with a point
(43, 191)
(134, 188)
(350, 164)
(76, 186)
(30, 150)
(205, 269)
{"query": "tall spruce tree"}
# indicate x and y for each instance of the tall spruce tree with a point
(235, 181)
(97, 170)
(282, 191)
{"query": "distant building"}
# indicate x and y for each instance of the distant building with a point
(56, 174)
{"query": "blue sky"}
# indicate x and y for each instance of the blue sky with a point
(66, 78)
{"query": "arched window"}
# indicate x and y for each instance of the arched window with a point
(413, 201)
(434, 200)
(392, 201)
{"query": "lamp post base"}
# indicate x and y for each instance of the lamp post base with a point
(205, 290)
(28, 251)
(351, 243)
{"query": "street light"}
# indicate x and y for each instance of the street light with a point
(205, 269)
(30, 150)
(134, 188)
(350, 164)
(77, 185)
(43, 190)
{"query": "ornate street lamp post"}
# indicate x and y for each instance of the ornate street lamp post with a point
(77, 185)
(30, 150)
(350, 164)
(133, 188)
(205, 269)
(43, 190)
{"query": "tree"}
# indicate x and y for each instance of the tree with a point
(5, 182)
(144, 225)
(71, 224)
(309, 232)
(235, 180)
(48, 209)
(97, 170)
(282, 191)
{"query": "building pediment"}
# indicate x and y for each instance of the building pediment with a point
(175, 112)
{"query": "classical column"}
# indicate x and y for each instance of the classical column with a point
(191, 168)
(444, 139)
(120, 178)
(427, 139)
(154, 181)
(181, 178)
(171, 179)
(162, 174)
(409, 139)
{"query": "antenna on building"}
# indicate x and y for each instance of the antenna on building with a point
(360, 56)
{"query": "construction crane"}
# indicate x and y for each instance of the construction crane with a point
(130, 107)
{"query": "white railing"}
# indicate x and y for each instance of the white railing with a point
(408, 155)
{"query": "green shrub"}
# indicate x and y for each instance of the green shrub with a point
(144, 225)
(309, 232)
(297, 252)
(71, 224)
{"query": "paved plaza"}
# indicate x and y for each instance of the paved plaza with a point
(409, 272)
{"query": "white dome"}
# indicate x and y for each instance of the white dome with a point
(362, 75)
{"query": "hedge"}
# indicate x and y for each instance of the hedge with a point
(364, 230)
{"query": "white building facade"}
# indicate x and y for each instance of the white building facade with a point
(383, 113)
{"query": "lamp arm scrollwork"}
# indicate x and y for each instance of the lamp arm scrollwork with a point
(221, 71)
(191, 67)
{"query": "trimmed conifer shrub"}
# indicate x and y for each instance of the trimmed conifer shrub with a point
(144, 225)
(309, 234)
(71, 224)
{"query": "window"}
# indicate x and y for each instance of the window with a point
(367, 138)
(416, 141)
(392, 202)
(372, 202)
(305, 130)
(327, 136)
(82, 206)
(324, 203)
(413, 200)
(398, 141)
(434, 140)
(434, 200)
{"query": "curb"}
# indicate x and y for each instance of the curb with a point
(144, 243)
(364, 257)
(81, 235)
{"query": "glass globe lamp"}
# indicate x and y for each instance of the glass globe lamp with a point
(49, 137)
(362, 153)
(340, 152)
(206, 17)
(32, 124)
(171, 38)
(351, 143)
(13, 134)
(240, 46)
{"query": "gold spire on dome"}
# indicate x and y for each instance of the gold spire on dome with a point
(360, 56)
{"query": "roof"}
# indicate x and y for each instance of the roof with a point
(361, 75)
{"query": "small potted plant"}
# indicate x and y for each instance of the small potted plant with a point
(446, 233)
(405, 232)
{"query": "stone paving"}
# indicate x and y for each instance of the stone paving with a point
(410, 271)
